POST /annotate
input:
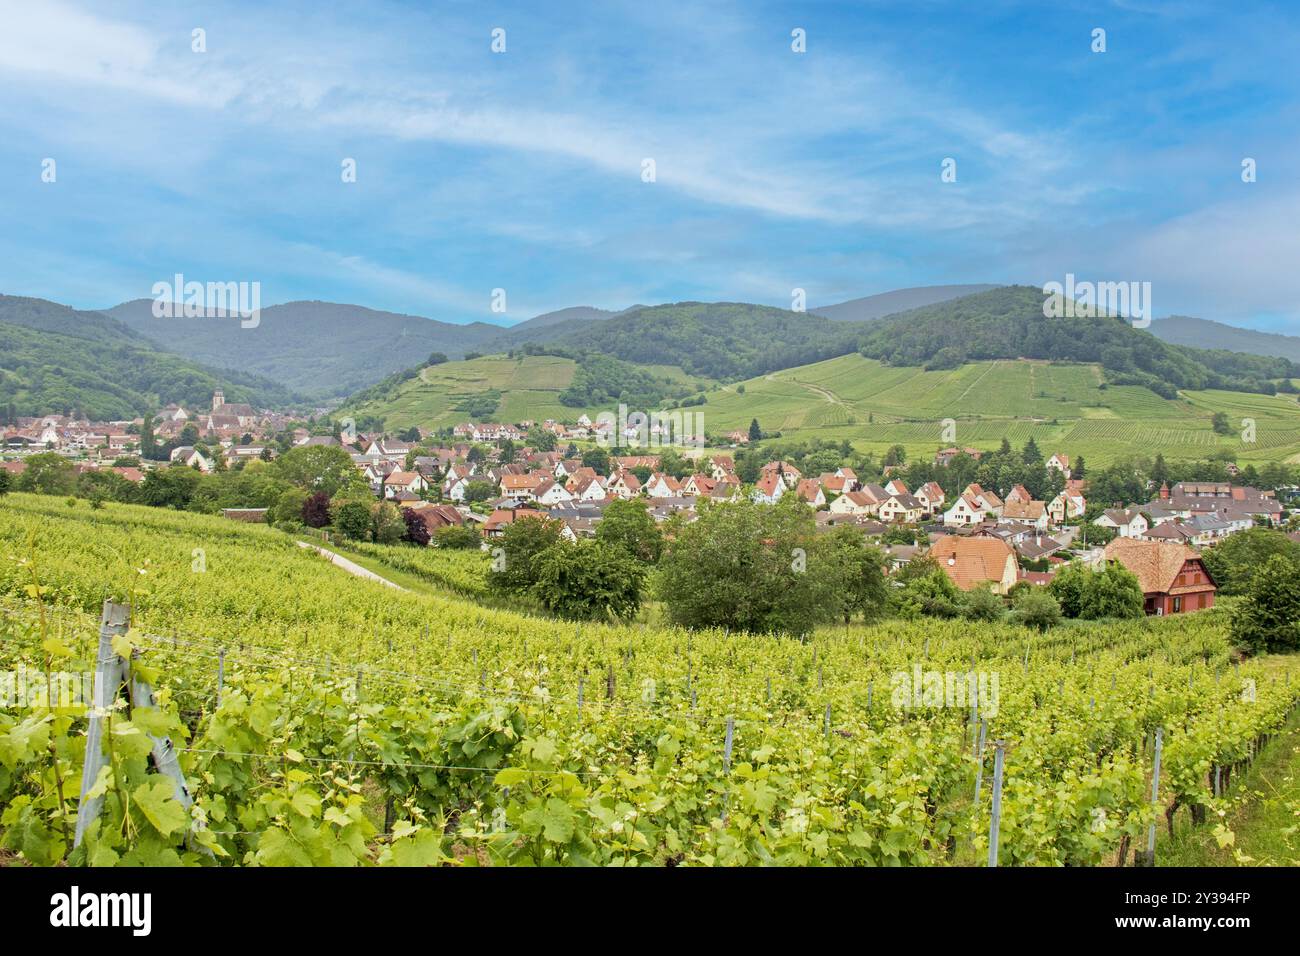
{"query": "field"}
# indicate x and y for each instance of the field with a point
(530, 387)
(323, 719)
(1061, 406)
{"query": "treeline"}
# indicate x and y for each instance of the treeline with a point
(1008, 323)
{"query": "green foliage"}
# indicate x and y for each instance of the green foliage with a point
(628, 526)
(1233, 562)
(1269, 617)
(457, 537)
(1035, 607)
(479, 489)
(516, 550)
(596, 458)
(352, 519)
(926, 589)
(320, 468)
(1112, 592)
(981, 604)
(48, 473)
(387, 524)
(602, 380)
(588, 581)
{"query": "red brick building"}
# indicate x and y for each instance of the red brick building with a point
(1173, 578)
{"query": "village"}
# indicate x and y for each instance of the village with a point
(485, 476)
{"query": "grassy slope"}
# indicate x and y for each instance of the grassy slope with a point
(1061, 406)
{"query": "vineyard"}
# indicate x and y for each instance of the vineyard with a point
(321, 719)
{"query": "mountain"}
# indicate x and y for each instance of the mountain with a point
(899, 300)
(719, 340)
(1207, 334)
(54, 358)
(578, 313)
(1008, 322)
(318, 349)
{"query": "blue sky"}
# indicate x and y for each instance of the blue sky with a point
(774, 170)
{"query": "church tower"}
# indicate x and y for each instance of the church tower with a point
(218, 399)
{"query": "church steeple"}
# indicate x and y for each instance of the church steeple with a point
(218, 399)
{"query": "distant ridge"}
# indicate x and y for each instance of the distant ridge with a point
(899, 300)
(1208, 334)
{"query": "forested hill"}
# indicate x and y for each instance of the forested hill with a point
(1008, 323)
(57, 359)
(719, 340)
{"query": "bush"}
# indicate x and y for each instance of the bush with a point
(388, 527)
(461, 537)
(1269, 617)
(588, 581)
(520, 543)
(417, 532)
(1036, 608)
(315, 512)
(981, 604)
(352, 520)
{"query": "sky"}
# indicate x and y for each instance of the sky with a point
(525, 170)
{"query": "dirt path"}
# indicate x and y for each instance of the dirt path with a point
(349, 566)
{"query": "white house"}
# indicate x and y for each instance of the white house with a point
(966, 510)
(1128, 523)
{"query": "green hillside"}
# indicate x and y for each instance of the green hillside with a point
(1069, 407)
(56, 359)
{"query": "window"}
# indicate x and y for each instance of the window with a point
(1178, 605)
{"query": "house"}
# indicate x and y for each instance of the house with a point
(520, 487)
(988, 500)
(587, 488)
(192, 458)
(977, 561)
(1173, 578)
(411, 482)
(896, 487)
(966, 510)
(769, 488)
(548, 492)
(660, 485)
(439, 516)
(1024, 512)
(810, 490)
(944, 455)
(903, 508)
(456, 482)
(931, 495)
(624, 484)
(1037, 546)
(1127, 522)
(1019, 494)
(1060, 463)
(496, 523)
(698, 486)
(854, 503)
(1066, 507)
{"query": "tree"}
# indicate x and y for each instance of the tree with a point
(1269, 617)
(148, 444)
(1068, 587)
(1035, 607)
(755, 433)
(748, 567)
(1159, 471)
(324, 468)
(588, 581)
(981, 604)
(479, 489)
(387, 525)
(5, 482)
(1080, 468)
(457, 537)
(315, 511)
(520, 543)
(48, 474)
(1234, 561)
(172, 487)
(1031, 456)
(417, 532)
(1112, 592)
(896, 457)
(627, 525)
(436, 358)
(927, 589)
(1219, 422)
(352, 519)
(289, 507)
(861, 571)
(411, 434)
(596, 459)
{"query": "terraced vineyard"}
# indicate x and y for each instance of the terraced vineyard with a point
(322, 719)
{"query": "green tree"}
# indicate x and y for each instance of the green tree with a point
(755, 433)
(387, 524)
(926, 589)
(48, 474)
(1219, 422)
(1112, 592)
(627, 525)
(5, 482)
(352, 519)
(1268, 619)
(588, 581)
(514, 552)
(596, 458)
(747, 567)
(288, 507)
(860, 568)
(1035, 607)
(981, 604)
(1069, 587)
(171, 487)
(321, 468)
(1234, 561)
(479, 489)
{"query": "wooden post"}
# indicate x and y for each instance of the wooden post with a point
(579, 696)
(1149, 858)
(221, 674)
